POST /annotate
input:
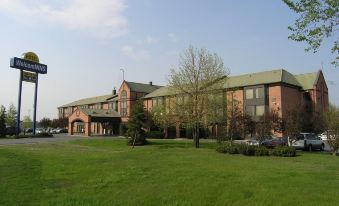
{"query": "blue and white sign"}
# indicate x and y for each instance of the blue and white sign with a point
(23, 64)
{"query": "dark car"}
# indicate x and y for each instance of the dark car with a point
(274, 142)
(11, 131)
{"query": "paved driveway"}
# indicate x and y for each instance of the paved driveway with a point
(55, 138)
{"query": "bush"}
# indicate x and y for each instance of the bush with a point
(284, 151)
(233, 149)
(155, 134)
(246, 149)
(222, 148)
(227, 148)
(261, 151)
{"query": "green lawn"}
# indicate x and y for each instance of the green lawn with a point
(166, 172)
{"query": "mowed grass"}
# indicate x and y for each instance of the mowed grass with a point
(166, 172)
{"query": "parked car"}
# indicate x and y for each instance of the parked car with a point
(252, 142)
(323, 136)
(11, 131)
(307, 141)
(29, 130)
(59, 130)
(39, 130)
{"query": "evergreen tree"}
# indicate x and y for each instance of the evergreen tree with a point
(2, 121)
(135, 125)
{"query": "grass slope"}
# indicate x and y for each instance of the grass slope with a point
(166, 172)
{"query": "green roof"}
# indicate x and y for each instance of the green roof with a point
(266, 77)
(91, 100)
(163, 91)
(100, 112)
(304, 81)
(140, 87)
(308, 80)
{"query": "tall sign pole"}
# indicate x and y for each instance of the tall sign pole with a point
(29, 69)
(19, 105)
(35, 102)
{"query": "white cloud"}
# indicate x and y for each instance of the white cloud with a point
(139, 55)
(172, 37)
(103, 18)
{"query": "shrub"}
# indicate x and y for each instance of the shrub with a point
(227, 148)
(284, 151)
(246, 149)
(261, 151)
(222, 148)
(233, 149)
(155, 134)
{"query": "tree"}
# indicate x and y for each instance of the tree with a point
(135, 125)
(332, 123)
(27, 122)
(319, 19)
(235, 119)
(2, 121)
(293, 123)
(162, 118)
(45, 122)
(267, 123)
(198, 79)
(11, 116)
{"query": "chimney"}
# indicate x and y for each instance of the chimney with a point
(151, 83)
(114, 91)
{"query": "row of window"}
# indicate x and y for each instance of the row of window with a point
(255, 110)
(255, 93)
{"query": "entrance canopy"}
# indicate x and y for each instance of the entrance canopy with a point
(87, 116)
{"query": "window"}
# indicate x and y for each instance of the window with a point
(259, 110)
(157, 101)
(250, 110)
(249, 93)
(154, 102)
(255, 93)
(259, 93)
(123, 104)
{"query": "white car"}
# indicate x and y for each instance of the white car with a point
(308, 141)
(324, 136)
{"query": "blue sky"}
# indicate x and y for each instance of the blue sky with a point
(86, 43)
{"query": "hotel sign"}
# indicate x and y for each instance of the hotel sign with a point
(27, 65)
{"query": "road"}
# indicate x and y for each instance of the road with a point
(55, 138)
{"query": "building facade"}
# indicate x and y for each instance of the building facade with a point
(255, 94)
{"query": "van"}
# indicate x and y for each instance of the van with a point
(307, 141)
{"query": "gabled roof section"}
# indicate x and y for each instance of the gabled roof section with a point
(100, 112)
(140, 87)
(91, 100)
(163, 91)
(266, 77)
(308, 80)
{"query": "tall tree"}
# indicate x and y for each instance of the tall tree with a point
(319, 19)
(200, 76)
(135, 125)
(27, 122)
(11, 116)
(2, 121)
(45, 122)
(332, 123)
